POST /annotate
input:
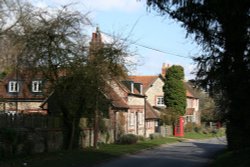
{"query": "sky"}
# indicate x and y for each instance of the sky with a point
(131, 18)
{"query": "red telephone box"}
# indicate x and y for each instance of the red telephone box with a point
(179, 128)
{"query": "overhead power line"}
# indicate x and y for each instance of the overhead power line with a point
(161, 51)
(151, 48)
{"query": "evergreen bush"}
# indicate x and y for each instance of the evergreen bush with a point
(128, 139)
(155, 136)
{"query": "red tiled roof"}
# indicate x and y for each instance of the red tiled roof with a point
(189, 111)
(117, 101)
(24, 89)
(147, 81)
(189, 94)
(150, 112)
(189, 90)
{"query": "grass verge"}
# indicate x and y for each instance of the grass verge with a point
(195, 135)
(199, 135)
(87, 157)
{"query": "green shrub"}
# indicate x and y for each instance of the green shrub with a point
(221, 132)
(192, 127)
(189, 127)
(128, 139)
(155, 136)
(205, 131)
(141, 138)
(197, 128)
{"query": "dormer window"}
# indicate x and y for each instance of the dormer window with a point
(13, 86)
(36, 86)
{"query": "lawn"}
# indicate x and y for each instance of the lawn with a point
(85, 157)
(194, 135)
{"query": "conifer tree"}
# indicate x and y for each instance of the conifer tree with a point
(174, 90)
(222, 28)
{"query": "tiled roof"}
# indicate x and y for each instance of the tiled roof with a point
(116, 100)
(189, 111)
(150, 112)
(147, 81)
(25, 79)
(189, 94)
(189, 90)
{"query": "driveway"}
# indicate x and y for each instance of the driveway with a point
(192, 153)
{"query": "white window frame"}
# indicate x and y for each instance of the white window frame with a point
(37, 86)
(140, 115)
(13, 86)
(160, 101)
(131, 119)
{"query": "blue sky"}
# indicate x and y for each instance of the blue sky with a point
(130, 17)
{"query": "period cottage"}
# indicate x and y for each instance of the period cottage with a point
(127, 110)
(22, 92)
(192, 110)
(153, 89)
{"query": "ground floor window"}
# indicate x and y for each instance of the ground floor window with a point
(131, 118)
(190, 118)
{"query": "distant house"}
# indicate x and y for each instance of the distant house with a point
(127, 110)
(22, 92)
(126, 100)
(153, 89)
(192, 110)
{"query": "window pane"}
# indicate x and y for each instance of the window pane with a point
(13, 86)
(160, 101)
(36, 86)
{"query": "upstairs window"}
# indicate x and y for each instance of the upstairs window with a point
(160, 101)
(36, 86)
(13, 86)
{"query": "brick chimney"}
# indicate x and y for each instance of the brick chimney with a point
(96, 38)
(164, 69)
(95, 43)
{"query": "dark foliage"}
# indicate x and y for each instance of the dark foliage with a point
(128, 139)
(174, 90)
(222, 28)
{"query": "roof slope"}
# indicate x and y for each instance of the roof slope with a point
(116, 100)
(189, 90)
(25, 78)
(147, 81)
(150, 112)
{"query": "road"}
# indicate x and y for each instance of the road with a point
(192, 153)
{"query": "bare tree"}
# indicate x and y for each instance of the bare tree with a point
(55, 44)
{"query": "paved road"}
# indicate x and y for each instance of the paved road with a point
(195, 153)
